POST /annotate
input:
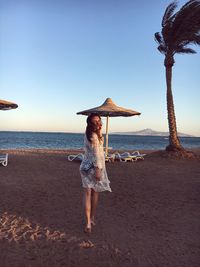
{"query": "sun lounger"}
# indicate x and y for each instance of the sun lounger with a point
(78, 157)
(4, 159)
(110, 158)
(124, 157)
(138, 155)
(127, 156)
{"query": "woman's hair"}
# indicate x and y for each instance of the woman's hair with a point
(92, 127)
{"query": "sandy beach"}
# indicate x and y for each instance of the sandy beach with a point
(151, 218)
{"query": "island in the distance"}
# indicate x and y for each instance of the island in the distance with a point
(150, 132)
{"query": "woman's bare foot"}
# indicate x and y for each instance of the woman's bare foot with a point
(88, 229)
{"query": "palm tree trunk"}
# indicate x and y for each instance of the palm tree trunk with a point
(174, 143)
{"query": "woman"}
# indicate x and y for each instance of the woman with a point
(92, 169)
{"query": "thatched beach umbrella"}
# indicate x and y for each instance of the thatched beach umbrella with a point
(109, 109)
(6, 105)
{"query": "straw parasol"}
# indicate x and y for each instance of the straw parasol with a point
(109, 109)
(6, 105)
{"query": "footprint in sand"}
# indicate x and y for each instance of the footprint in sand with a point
(86, 244)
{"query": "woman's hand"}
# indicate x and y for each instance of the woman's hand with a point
(97, 173)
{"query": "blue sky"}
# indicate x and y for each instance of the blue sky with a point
(61, 57)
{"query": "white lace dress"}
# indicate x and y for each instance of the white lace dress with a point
(94, 153)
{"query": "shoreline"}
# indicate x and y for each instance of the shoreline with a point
(67, 149)
(77, 151)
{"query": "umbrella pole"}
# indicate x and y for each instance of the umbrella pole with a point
(107, 136)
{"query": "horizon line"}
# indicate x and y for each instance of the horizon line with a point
(111, 133)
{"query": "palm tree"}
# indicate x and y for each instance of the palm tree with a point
(179, 30)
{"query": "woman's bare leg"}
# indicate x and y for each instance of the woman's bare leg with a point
(94, 202)
(87, 206)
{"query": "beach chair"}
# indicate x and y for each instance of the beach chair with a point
(78, 157)
(110, 158)
(125, 157)
(138, 155)
(4, 159)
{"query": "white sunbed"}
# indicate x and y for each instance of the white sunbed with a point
(125, 157)
(110, 158)
(78, 157)
(138, 155)
(4, 159)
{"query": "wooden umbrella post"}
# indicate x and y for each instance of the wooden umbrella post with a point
(107, 136)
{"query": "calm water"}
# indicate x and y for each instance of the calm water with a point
(14, 140)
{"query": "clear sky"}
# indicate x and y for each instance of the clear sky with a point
(61, 57)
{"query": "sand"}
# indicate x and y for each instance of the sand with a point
(151, 218)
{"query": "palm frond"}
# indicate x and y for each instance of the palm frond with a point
(187, 19)
(188, 4)
(184, 43)
(185, 51)
(158, 37)
(167, 33)
(196, 39)
(180, 29)
(195, 42)
(168, 13)
(162, 49)
(187, 38)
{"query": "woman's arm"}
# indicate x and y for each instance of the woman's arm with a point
(97, 160)
(96, 151)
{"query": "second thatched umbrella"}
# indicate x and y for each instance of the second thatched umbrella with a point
(6, 105)
(109, 109)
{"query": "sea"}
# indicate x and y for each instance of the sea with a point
(52, 140)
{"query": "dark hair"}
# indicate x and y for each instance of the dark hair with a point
(92, 128)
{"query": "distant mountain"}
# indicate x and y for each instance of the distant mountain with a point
(151, 133)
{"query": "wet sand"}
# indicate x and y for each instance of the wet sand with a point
(151, 218)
